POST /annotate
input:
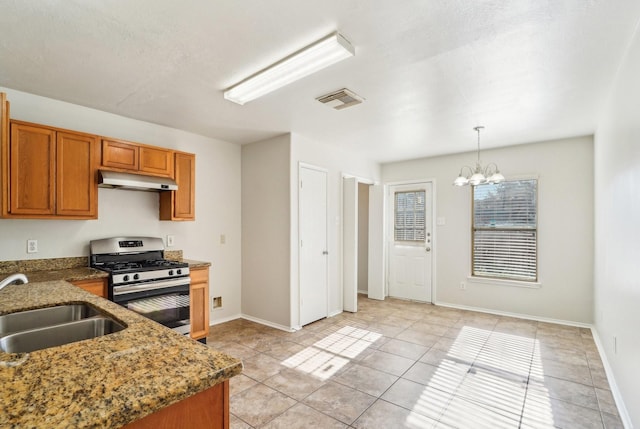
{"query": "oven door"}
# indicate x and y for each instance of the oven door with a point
(165, 301)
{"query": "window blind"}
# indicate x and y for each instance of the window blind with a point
(505, 230)
(409, 215)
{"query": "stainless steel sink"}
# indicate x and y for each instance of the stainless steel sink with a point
(31, 330)
(31, 319)
(57, 335)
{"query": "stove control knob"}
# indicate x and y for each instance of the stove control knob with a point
(170, 272)
(126, 277)
(179, 271)
(136, 276)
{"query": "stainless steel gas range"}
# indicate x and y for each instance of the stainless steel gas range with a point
(142, 280)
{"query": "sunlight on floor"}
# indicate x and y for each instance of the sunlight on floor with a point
(481, 381)
(328, 355)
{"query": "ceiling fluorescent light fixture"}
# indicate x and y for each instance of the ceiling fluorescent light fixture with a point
(318, 55)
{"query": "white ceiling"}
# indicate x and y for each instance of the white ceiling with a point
(430, 70)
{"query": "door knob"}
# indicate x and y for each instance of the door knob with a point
(428, 249)
(324, 252)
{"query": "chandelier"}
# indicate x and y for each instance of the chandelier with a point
(479, 175)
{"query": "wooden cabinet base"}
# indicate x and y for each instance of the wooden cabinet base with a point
(208, 409)
(199, 305)
(96, 287)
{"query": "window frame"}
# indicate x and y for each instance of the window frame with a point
(506, 280)
(418, 242)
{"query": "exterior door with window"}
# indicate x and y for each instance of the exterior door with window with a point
(411, 241)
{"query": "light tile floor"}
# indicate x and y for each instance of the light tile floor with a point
(399, 364)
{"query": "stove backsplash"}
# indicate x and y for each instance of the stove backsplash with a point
(28, 265)
(174, 255)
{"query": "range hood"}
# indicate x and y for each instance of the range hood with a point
(138, 182)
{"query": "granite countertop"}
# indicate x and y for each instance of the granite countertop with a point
(68, 274)
(104, 382)
(196, 264)
(41, 270)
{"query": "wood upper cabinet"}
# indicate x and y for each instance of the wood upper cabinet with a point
(155, 160)
(52, 173)
(199, 302)
(32, 170)
(76, 165)
(181, 204)
(4, 154)
(137, 158)
(118, 154)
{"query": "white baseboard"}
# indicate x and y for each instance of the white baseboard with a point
(334, 313)
(363, 292)
(253, 319)
(263, 322)
(516, 315)
(270, 324)
(622, 409)
(225, 319)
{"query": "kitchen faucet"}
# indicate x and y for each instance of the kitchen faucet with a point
(13, 278)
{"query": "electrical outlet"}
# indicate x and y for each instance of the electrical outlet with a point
(171, 240)
(32, 246)
(463, 286)
(223, 239)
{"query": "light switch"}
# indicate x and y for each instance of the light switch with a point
(223, 239)
(441, 221)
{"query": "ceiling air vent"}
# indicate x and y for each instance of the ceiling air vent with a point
(341, 99)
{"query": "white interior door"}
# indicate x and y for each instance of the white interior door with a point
(350, 244)
(410, 241)
(313, 245)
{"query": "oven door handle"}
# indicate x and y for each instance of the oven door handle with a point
(163, 284)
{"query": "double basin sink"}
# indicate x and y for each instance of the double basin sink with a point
(31, 330)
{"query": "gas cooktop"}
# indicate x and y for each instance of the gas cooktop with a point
(116, 267)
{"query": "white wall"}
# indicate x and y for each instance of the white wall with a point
(565, 246)
(617, 233)
(266, 230)
(123, 212)
(270, 287)
(337, 162)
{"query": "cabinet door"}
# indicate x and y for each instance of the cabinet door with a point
(32, 164)
(181, 204)
(199, 305)
(156, 161)
(4, 154)
(119, 155)
(206, 409)
(96, 287)
(76, 186)
(185, 204)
